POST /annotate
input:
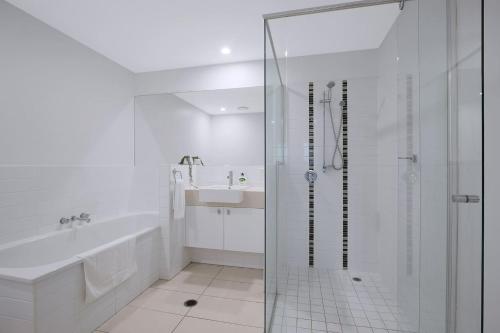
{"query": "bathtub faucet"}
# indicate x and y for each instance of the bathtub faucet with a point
(83, 217)
(64, 220)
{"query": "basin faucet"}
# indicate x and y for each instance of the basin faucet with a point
(230, 179)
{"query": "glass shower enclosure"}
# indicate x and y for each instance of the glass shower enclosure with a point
(374, 167)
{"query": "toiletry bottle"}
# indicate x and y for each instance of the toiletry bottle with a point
(242, 179)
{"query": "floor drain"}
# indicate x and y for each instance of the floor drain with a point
(190, 303)
(357, 279)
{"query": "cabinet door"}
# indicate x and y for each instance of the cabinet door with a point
(204, 227)
(244, 229)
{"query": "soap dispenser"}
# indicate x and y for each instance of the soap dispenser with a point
(242, 180)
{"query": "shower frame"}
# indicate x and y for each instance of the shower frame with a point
(268, 34)
(451, 248)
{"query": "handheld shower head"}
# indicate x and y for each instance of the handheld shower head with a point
(330, 84)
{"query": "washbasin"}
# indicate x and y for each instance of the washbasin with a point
(221, 193)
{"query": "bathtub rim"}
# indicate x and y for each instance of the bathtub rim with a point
(34, 274)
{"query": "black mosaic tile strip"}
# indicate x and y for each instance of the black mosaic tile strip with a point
(311, 167)
(345, 178)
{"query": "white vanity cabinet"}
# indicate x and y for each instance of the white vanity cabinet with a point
(244, 229)
(204, 227)
(223, 228)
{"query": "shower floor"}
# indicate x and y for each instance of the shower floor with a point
(312, 300)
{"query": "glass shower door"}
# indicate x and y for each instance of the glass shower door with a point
(274, 156)
(450, 162)
(466, 159)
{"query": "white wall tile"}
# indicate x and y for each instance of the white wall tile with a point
(328, 188)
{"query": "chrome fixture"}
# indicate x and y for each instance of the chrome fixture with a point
(330, 8)
(465, 198)
(311, 176)
(412, 158)
(327, 100)
(197, 161)
(186, 160)
(230, 178)
(64, 220)
(190, 161)
(83, 217)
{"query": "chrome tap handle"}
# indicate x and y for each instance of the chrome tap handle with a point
(84, 217)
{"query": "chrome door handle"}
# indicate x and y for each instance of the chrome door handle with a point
(465, 198)
(412, 158)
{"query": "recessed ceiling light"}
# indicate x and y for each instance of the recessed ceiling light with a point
(223, 109)
(225, 50)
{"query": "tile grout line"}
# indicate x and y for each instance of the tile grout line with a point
(198, 296)
(223, 322)
(186, 315)
(189, 310)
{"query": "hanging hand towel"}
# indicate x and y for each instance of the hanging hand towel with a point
(179, 201)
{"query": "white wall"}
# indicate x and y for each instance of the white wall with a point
(66, 130)
(491, 167)
(166, 129)
(360, 69)
(63, 103)
(235, 75)
(237, 139)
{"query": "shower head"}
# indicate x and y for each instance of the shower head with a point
(330, 84)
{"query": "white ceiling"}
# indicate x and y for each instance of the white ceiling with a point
(211, 101)
(151, 35)
(332, 32)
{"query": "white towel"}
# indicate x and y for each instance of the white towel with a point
(179, 198)
(105, 268)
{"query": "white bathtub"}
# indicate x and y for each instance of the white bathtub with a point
(42, 285)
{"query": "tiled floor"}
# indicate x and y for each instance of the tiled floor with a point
(313, 301)
(229, 299)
